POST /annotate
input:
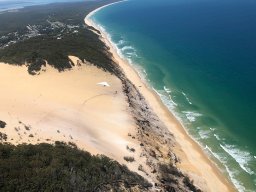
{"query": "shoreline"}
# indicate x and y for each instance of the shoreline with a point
(194, 161)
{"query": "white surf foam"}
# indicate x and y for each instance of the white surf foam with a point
(232, 174)
(131, 54)
(191, 115)
(121, 42)
(241, 157)
(188, 100)
(220, 158)
(141, 71)
(223, 159)
(121, 51)
(128, 47)
(204, 134)
(167, 100)
(167, 90)
(217, 137)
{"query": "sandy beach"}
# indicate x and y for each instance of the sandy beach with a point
(193, 160)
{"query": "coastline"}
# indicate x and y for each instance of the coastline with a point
(194, 161)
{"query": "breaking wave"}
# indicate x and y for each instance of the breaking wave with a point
(192, 115)
(188, 100)
(241, 157)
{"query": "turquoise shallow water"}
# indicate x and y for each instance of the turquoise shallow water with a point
(200, 57)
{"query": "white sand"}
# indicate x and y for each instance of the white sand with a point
(68, 106)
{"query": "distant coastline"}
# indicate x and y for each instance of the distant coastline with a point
(12, 7)
(151, 95)
(87, 18)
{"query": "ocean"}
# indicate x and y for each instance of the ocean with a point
(200, 58)
(7, 5)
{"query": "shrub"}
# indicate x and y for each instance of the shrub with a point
(129, 159)
(2, 124)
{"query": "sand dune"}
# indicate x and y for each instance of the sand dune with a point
(69, 106)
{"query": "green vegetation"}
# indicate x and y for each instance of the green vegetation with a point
(62, 167)
(3, 137)
(173, 179)
(129, 159)
(2, 124)
(51, 33)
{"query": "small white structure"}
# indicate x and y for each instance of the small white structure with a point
(104, 84)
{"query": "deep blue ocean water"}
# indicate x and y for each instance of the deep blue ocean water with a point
(200, 57)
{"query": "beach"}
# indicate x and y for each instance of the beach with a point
(193, 160)
(118, 115)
